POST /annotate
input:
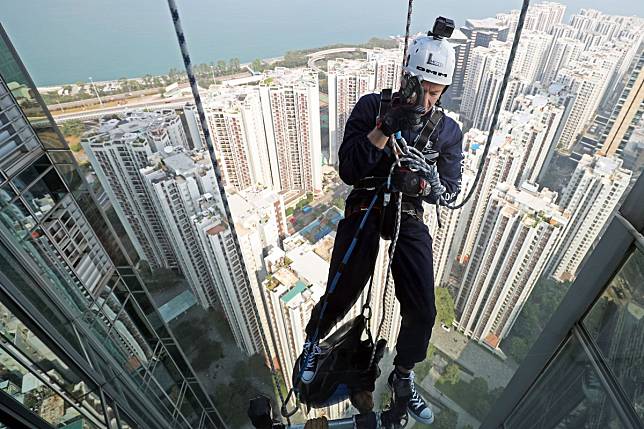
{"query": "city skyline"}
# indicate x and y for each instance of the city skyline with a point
(130, 212)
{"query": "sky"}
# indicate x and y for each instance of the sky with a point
(71, 40)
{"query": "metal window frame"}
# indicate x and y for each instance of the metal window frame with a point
(622, 236)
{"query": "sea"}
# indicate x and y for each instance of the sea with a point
(67, 41)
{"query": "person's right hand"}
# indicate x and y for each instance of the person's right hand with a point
(401, 117)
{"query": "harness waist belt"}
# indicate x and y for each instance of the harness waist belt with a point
(371, 182)
(407, 207)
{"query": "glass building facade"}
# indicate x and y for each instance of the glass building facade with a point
(80, 341)
(585, 371)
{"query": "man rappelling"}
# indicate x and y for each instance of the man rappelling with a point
(374, 158)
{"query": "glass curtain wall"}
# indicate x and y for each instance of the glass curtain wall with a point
(62, 255)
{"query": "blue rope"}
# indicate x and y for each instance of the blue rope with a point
(336, 278)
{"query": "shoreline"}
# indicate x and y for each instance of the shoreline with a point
(270, 60)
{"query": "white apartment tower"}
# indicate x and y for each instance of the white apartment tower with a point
(117, 150)
(520, 151)
(291, 110)
(564, 51)
(387, 64)
(348, 80)
(269, 134)
(591, 196)
(531, 55)
(232, 286)
(177, 184)
(483, 83)
(520, 231)
(479, 32)
(540, 17)
(585, 82)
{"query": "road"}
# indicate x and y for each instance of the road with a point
(147, 103)
(315, 56)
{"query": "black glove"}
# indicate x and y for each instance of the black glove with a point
(401, 117)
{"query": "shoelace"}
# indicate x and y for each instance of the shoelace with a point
(416, 400)
(310, 355)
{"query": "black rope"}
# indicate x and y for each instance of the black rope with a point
(174, 12)
(497, 109)
(407, 31)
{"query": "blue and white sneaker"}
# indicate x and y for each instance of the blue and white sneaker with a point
(309, 359)
(417, 406)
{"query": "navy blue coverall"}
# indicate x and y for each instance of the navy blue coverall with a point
(412, 266)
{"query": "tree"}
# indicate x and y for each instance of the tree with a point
(301, 204)
(452, 373)
(517, 348)
(221, 67)
(233, 65)
(290, 211)
(257, 65)
(444, 306)
(74, 127)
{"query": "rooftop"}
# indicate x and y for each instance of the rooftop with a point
(295, 291)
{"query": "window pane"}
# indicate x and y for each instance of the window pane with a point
(29, 174)
(45, 193)
(568, 395)
(14, 216)
(616, 322)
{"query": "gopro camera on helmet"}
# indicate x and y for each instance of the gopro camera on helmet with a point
(443, 28)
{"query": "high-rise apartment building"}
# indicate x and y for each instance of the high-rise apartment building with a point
(180, 186)
(87, 346)
(564, 51)
(237, 125)
(584, 83)
(521, 228)
(348, 80)
(485, 69)
(591, 196)
(118, 149)
(293, 116)
(388, 67)
(539, 17)
(184, 186)
(269, 134)
(479, 32)
(531, 55)
(260, 222)
(520, 152)
(231, 282)
(627, 113)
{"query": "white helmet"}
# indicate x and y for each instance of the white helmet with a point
(431, 59)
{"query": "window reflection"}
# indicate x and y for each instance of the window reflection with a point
(45, 193)
(568, 395)
(31, 173)
(14, 216)
(616, 323)
(47, 388)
